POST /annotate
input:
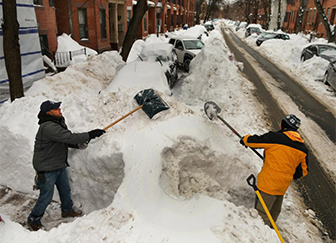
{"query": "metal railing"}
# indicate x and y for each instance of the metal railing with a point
(63, 59)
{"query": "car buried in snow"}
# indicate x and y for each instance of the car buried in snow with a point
(164, 54)
(325, 51)
(330, 75)
(269, 36)
(186, 49)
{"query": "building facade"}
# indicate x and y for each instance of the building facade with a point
(102, 24)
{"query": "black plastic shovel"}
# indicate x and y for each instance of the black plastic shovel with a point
(149, 102)
(212, 110)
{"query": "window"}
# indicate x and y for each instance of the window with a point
(83, 26)
(327, 14)
(172, 20)
(102, 19)
(51, 3)
(129, 12)
(145, 22)
(44, 45)
(38, 2)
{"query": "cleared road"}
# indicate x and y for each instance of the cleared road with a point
(317, 189)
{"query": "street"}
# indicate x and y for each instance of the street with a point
(318, 185)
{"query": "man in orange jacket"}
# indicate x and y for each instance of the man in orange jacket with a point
(285, 159)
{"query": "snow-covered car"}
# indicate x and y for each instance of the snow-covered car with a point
(270, 35)
(164, 54)
(141, 75)
(209, 26)
(252, 29)
(186, 49)
(330, 75)
(241, 25)
(325, 51)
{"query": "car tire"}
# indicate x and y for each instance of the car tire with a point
(186, 64)
(325, 78)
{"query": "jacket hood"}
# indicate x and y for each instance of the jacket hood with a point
(293, 135)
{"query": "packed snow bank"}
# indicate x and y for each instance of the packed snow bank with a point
(127, 181)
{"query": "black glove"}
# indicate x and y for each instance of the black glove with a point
(96, 133)
(242, 142)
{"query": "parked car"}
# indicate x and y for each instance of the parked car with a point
(164, 54)
(209, 26)
(325, 51)
(241, 25)
(252, 29)
(186, 49)
(270, 35)
(330, 75)
(140, 75)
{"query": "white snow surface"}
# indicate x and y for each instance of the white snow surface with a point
(178, 177)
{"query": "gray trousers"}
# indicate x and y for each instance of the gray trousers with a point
(273, 203)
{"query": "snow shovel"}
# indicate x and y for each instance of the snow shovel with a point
(149, 102)
(212, 110)
(253, 185)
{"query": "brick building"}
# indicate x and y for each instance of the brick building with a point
(311, 21)
(102, 24)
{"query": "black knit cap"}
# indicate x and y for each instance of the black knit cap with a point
(49, 105)
(291, 122)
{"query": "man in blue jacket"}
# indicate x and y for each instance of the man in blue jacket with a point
(50, 161)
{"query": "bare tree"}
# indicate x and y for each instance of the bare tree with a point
(139, 11)
(266, 5)
(11, 48)
(325, 22)
(279, 15)
(301, 12)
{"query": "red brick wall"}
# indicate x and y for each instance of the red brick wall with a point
(46, 19)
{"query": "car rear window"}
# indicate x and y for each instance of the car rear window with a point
(193, 44)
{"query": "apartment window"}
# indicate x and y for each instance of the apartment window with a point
(129, 12)
(83, 26)
(145, 22)
(44, 45)
(172, 20)
(313, 17)
(328, 12)
(38, 2)
(51, 3)
(102, 19)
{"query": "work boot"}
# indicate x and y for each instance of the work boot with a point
(34, 227)
(73, 213)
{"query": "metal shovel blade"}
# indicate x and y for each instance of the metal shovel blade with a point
(151, 103)
(211, 109)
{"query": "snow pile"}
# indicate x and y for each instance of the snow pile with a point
(175, 178)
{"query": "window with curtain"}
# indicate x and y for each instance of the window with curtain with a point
(83, 26)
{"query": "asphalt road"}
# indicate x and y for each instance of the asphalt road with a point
(317, 188)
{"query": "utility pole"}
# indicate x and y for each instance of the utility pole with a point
(11, 48)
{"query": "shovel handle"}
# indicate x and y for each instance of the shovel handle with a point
(121, 118)
(253, 183)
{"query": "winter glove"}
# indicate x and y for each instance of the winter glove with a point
(96, 133)
(242, 142)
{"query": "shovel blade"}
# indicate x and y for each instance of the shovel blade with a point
(151, 102)
(211, 109)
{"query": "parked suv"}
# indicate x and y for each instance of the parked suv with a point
(186, 49)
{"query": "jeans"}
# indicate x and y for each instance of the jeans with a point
(61, 180)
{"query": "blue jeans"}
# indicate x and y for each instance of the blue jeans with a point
(61, 180)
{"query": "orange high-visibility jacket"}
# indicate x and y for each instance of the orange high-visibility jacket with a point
(285, 159)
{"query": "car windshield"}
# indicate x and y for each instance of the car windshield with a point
(193, 44)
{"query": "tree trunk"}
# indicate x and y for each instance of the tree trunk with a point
(279, 15)
(301, 13)
(139, 11)
(11, 48)
(324, 20)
